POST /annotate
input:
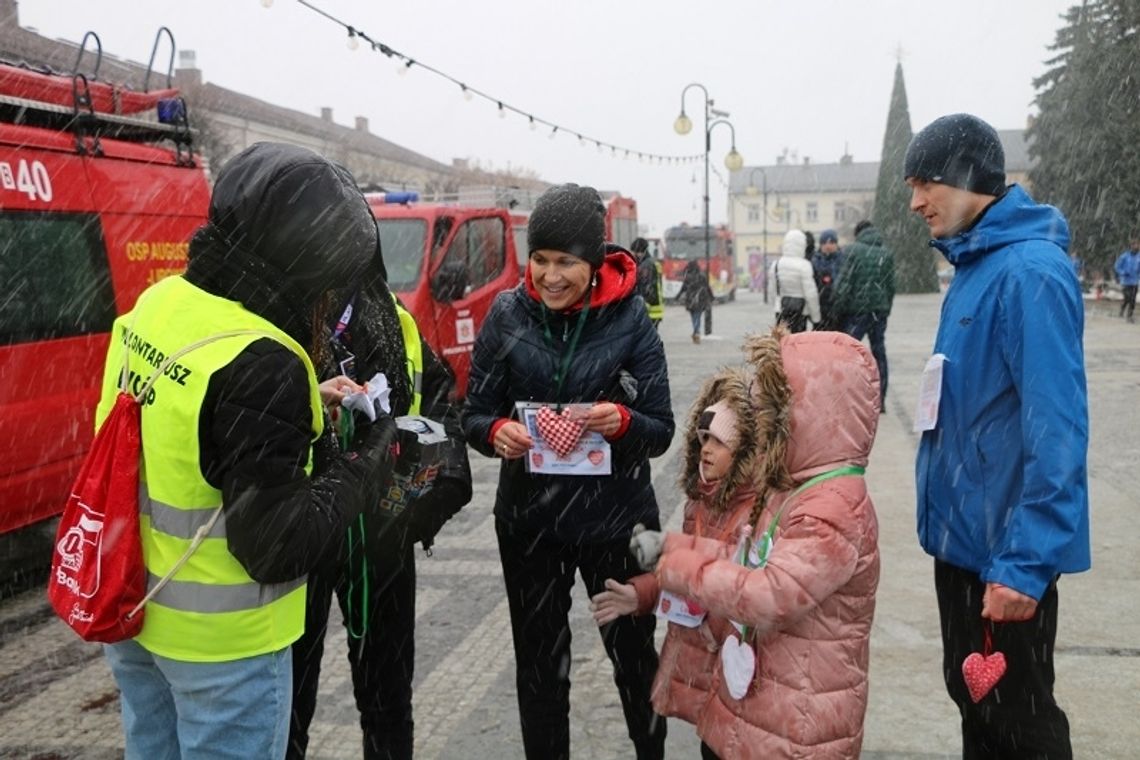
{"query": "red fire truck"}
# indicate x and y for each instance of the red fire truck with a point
(99, 195)
(685, 243)
(447, 263)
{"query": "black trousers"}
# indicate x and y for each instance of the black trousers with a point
(1018, 719)
(1129, 303)
(539, 575)
(874, 326)
(383, 660)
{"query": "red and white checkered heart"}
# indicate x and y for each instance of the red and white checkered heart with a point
(982, 673)
(560, 431)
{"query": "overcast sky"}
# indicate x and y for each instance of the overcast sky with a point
(808, 75)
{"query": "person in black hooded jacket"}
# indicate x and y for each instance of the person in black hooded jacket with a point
(373, 571)
(573, 332)
(285, 225)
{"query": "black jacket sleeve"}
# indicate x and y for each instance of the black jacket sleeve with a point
(254, 437)
(451, 489)
(487, 387)
(651, 424)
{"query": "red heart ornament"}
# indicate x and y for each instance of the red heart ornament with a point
(595, 457)
(982, 672)
(560, 431)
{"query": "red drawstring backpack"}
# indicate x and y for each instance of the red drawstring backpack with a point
(98, 578)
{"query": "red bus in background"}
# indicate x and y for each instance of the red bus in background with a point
(685, 243)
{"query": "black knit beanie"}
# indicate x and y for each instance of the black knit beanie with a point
(959, 150)
(571, 219)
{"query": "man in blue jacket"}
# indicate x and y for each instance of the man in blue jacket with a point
(1001, 475)
(1128, 274)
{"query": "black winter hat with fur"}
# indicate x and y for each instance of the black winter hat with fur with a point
(959, 150)
(572, 219)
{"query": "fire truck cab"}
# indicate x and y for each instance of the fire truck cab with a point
(446, 263)
(99, 195)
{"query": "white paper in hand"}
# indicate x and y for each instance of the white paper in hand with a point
(373, 397)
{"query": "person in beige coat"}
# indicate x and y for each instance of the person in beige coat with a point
(791, 678)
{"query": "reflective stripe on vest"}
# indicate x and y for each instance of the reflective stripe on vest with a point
(415, 354)
(211, 610)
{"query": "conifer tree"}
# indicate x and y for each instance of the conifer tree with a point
(905, 233)
(1086, 136)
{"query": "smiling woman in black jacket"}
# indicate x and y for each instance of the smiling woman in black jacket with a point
(573, 332)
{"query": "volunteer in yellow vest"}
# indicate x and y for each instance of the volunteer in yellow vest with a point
(649, 277)
(231, 425)
(373, 570)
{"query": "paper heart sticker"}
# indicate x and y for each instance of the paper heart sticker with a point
(982, 672)
(595, 456)
(694, 609)
(560, 431)
(536, 459)
(738, 663)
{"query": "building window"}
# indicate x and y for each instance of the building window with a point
(812, 211)
(753, 212)
(840, 211)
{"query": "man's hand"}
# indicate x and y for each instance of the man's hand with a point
(618, 599)
(1002, 604)
(645, 546)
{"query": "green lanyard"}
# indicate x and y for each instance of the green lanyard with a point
(358, 616)
(756, 556)
(763, 545)
(560, 372)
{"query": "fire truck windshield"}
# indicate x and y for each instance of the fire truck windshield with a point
(402, 242)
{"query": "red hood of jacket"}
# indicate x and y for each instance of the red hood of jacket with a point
(617, 279)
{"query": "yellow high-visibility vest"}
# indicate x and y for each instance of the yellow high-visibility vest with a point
(211, 610)
(414, 352)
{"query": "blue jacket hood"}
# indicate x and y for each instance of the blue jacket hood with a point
(1012, 218)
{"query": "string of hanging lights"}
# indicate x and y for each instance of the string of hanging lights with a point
(357, 37)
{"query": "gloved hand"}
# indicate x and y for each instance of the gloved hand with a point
(645, 546)
(434, 508)
(370, 458)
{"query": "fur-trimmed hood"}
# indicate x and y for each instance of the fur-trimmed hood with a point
(822, 404)
(731, 386)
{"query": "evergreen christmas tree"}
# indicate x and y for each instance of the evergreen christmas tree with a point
(904, 231)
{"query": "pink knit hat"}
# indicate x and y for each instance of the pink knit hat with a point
(720, 422)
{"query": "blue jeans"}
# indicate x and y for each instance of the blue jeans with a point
(874, 326)
(696, 317)
(202, 710)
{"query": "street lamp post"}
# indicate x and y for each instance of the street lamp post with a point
(733, 162)
(752, 190)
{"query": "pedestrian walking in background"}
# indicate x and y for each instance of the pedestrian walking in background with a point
(1001, 472)
(572, 333)
(210, 673)
(696, 296)
(372, 569)
(791, 285)
(809, 246)
(649, 276)
(790, 606)
(825, 268)
(723, 441)
(865, 292)
(1128, 275)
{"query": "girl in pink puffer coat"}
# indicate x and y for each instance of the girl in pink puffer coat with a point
(790, 680)
(722, 442)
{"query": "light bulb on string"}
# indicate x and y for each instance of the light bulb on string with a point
(581, 140)
(466, 93)
(502, 111)
(553, 132)
(353, 43)
(533, 125)
(402, 69)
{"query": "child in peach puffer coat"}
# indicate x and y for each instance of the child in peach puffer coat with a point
(790, 680)
(722, 439)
